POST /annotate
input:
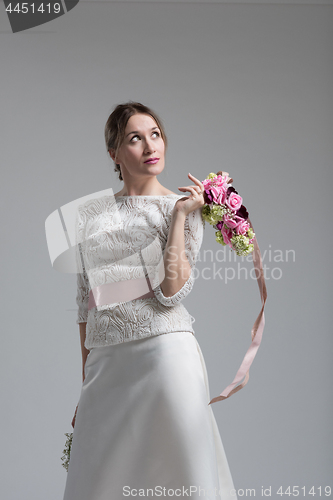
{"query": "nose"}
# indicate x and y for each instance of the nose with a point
(149, 146)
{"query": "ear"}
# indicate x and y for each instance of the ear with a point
(112, 154)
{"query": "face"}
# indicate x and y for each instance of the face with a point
(142, 141)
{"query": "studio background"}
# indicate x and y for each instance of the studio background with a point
(242, 87)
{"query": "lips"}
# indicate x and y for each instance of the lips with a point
(152, 160)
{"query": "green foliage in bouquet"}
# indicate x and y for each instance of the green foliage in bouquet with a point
(241, 244)
(214, 213)
(67, 450)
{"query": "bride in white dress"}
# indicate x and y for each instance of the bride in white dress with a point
(143, 426)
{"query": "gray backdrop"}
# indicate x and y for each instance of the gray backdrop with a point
(244, 87)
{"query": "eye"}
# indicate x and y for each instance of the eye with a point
(155, 132)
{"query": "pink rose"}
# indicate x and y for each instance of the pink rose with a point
(234, 201)
(227, 235)
(230, 222)
(218, 193)
(216, 189)
(242, 227)
(224, 195)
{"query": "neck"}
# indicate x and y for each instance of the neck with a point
(142, 189)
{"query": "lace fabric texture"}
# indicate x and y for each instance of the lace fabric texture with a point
(122, 239)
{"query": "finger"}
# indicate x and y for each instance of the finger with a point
(198, 188)
(193, 190)
(190, 188)
(199, 184)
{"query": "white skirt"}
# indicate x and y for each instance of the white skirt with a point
(144, 427)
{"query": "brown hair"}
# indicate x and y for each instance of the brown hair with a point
(114, 130)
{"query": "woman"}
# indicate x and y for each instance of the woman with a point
(143, 426)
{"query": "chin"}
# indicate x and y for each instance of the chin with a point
(157, 169)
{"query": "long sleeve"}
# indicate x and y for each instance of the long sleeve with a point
(83, 287)
(193, 232)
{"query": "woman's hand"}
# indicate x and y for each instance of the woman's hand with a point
(196, 198)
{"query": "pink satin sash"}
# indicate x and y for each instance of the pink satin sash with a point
(256, 332)
(120, 291)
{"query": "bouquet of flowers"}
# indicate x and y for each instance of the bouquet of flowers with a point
(224, 211)
(67, 451)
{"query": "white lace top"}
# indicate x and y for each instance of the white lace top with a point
(112, 235)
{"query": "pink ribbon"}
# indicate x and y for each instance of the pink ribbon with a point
(120, 291)
(256, 332)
